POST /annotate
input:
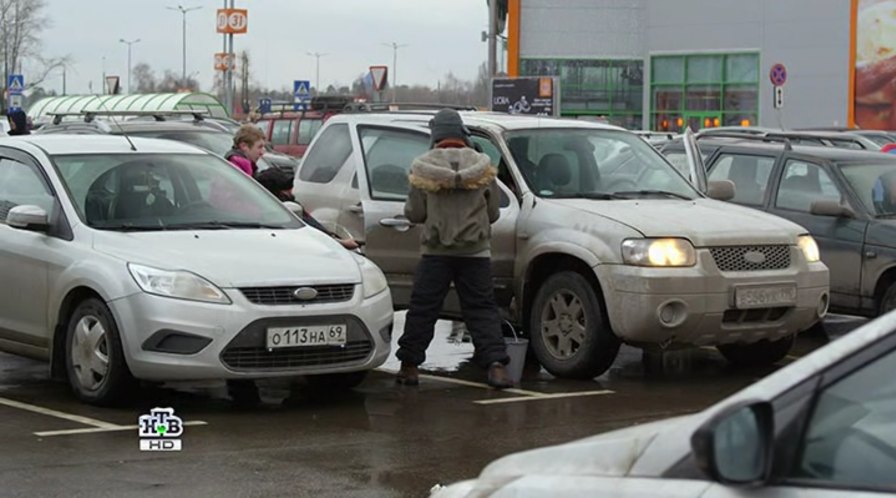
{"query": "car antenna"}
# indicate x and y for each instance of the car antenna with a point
(115, 122)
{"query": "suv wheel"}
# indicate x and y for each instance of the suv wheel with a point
(94, 358)
(888, 300)
(570, 334)
(757, 354)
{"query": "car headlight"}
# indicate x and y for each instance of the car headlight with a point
(373, 281)
(176, 284)
(810, 248)
(659, 252)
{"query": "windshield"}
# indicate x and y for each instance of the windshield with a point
(167, 192)
(593, 163)
(874, 184)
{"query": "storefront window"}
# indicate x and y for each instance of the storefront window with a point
(607, 90)
(705, 90)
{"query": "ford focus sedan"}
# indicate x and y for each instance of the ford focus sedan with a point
(148, 259)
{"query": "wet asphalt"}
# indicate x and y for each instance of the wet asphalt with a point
(377, 440)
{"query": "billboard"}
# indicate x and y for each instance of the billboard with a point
(874, 64)
(538, 95)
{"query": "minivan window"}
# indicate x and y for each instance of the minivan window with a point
(326, 158)
(151, 192)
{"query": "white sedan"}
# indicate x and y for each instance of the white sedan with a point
(824, 426)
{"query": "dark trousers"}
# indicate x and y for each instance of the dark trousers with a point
(472, 279)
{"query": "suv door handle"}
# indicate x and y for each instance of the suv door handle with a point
(357, 209)
(399, 224)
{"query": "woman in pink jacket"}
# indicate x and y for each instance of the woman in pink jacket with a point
(248, 147)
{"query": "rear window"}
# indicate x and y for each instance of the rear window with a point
(330, 152)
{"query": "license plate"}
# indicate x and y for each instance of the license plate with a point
(764, 297)
(307, 335)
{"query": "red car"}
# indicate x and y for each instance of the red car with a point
(290, 131)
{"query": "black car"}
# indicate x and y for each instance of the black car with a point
(843, 197)
(206, 134)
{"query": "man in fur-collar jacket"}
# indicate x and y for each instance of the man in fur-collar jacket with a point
(455, 197)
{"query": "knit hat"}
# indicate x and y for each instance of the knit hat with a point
(448, 124)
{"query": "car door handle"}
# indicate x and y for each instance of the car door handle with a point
(400, 224)
(357, 209)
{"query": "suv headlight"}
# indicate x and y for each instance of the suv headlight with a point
(810, 248)
(659, 252)
(176, 284)
(373, 281)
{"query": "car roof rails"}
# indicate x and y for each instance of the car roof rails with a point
(405, 107)
(748, 136)
(824, 135)
(198, 114)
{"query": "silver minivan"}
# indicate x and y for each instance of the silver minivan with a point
(148, 259)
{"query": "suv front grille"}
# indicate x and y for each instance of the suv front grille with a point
(285, 295)
(751, 258)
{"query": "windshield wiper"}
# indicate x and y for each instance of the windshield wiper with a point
(219, 225)
(603, 196)
(629, 193)
(129, 227)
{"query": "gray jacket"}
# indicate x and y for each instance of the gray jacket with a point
(455, 196)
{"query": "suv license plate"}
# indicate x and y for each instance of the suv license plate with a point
(310, 335)
(764, 297)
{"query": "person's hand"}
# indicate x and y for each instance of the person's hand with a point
(349, 244)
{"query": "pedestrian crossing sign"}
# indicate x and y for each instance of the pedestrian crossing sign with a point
(15, 85)
(301, 89)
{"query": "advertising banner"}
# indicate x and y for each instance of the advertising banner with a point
(874, 25)
(526, 95)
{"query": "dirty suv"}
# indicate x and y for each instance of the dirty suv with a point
(600, 240)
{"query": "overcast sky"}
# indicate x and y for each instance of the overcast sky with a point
(442, 36)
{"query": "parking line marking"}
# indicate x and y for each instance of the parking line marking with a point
(93, 430)
(543, 397)
(53, 413)
(468, 383)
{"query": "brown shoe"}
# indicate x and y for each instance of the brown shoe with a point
(408, 375)
(497, 376)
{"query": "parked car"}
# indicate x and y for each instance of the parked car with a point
(149, 259)
(835, 194)
(820, 427)
(290, 131)
(600, 239)
(205, 133)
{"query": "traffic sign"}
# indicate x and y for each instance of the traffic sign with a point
(16, 101)
(264, 105)
(112, 87)
(778, 74)
(779, 97)
(232, 21)
(301, 89)
(224, 61)
(15, 84)
(380, 75)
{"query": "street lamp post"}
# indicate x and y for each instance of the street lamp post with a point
(129, 44)
(395, 47)
(184, 10)
(317, 55)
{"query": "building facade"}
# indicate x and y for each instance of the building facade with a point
(668, 64)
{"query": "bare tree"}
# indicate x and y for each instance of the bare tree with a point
(144, 78)
(22, 23)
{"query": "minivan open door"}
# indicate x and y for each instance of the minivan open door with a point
(696, 168)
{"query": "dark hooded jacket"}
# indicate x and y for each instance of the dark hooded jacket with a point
(455, 196)
(20, 120)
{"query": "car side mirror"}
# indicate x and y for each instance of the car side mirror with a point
(28, 217)
(721, 190)
(295, 207)
(828, 207)
(735, 446)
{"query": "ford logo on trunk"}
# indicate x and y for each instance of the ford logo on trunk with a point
(754, 257)
(305, 293)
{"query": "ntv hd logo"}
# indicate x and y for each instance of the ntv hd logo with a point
(160, 430)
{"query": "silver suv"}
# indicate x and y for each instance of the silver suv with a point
(600, 240)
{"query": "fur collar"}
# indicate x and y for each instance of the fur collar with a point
(452, 169)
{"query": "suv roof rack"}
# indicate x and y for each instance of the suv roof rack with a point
(747, 136)
(198, 114)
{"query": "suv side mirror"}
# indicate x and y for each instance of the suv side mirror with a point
(721, 190)
(828, 207)
(295, 207)
(28, 217)
(735, 447)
